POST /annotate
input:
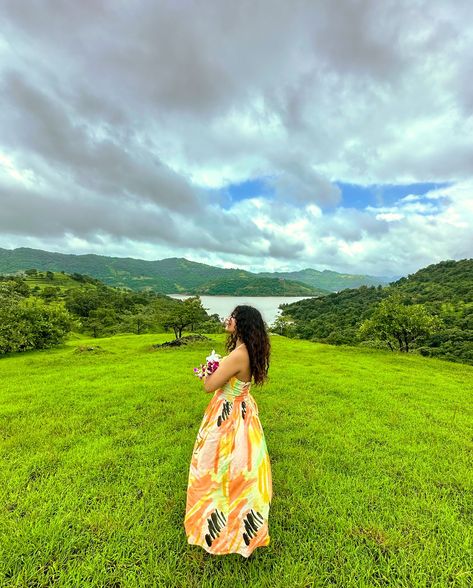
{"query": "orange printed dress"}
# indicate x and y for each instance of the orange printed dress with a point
(229, 490)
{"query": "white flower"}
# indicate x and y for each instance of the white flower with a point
(214, 356)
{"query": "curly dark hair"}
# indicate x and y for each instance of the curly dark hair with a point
(251, 330)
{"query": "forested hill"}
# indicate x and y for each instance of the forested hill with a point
(447, 281)
(256, 286)
(330, 280)
(167, 276)
(172, 275)
(445, 289)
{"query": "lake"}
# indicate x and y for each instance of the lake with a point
(223, 305)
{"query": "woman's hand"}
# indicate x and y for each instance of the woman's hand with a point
(227, 369)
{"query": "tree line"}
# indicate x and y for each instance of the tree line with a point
(34, 317)
(429, 312)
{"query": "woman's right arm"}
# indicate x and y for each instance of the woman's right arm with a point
(228, 368)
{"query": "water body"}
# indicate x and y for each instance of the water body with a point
(223, 305)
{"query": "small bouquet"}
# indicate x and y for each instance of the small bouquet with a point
(212, 363)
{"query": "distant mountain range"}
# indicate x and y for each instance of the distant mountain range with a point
(178, 275)
(330, 280)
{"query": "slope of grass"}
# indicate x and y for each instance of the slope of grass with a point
(62, 281)
(371, 458)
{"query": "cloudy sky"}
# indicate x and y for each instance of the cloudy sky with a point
(266, 135)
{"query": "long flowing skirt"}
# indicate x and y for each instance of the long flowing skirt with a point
(230, 486)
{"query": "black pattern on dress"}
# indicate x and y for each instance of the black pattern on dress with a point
(215, 522)
(253, 522)
(226, 410)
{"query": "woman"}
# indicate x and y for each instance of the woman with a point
(230, 486)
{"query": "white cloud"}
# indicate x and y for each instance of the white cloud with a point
(389, 216)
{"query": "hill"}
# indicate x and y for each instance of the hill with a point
(168, 276)
(447, 281)
(370, 456)
(173, 275)
(330, 280)
(446, 290)
(38, 281)
(254, 286)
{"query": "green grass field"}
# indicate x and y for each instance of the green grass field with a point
(371, 457)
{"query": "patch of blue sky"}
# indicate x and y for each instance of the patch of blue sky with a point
(248, 189)
(358, 196)
(353, 195)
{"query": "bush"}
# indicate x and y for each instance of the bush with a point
(30, 323)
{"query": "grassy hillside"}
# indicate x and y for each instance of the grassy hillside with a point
(60, 280)
(371, 461)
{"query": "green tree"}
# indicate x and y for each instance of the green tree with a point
(101, 321)
(14, 286)
(139, 321)
(212, 325)
(182, 314)
(30, 323)
(283, 325)
(399, 325)
(81, 301)
(50, 292)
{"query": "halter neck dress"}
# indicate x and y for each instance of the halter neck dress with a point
(229, 488)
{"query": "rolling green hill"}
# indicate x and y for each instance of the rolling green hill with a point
(174, 275)
(370, 457)
(41, 280)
